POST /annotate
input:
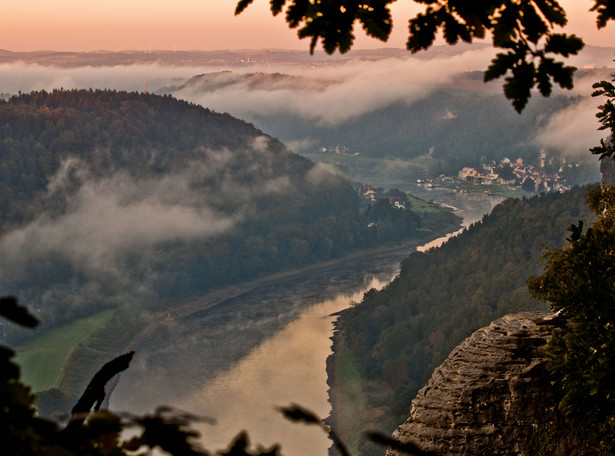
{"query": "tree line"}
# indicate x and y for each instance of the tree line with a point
(454, 128)
(287, 213)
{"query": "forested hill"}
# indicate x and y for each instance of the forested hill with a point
(398, 335)
(453, 126)
(106, 196)
(138, 133)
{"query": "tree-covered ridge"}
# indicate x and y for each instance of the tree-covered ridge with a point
(398, 335)
(578, 284)
(453, 128)
(136, 132)
(106, 194)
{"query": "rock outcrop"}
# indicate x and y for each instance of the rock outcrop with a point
(492, 396)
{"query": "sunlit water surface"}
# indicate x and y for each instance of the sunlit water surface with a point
(240, 360)
(290, 367)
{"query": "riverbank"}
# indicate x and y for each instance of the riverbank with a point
(218, 296)
(125, 328)
(348, 392)
(348, 401)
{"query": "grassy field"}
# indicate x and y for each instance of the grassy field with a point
(422, 206)
(388, 173)
(503, 190)
(105, 343)
(66, 357)
(43, 358)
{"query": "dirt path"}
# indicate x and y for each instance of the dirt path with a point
(216, 297)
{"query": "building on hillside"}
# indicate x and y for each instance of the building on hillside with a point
(397, 202)
(468, 172)
(489, 178)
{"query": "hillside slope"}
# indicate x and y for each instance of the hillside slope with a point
(109, 198)
(450, 125)
(395, 337)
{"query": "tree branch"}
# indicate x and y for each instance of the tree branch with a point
(95, 392)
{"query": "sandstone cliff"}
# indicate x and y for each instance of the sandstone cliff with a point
(492, 396)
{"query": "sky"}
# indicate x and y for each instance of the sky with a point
(81, 25)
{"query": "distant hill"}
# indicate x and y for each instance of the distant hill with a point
(210, 82)
(454, 127)
(451, 125)
(106, 196)
(246, 58)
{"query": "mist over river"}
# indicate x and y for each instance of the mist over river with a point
(266, 347)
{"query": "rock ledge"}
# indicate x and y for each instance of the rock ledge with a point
(491, 396)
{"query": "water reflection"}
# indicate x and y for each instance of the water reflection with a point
(290, 367)
(181, 356)
(474, 207)
(264, 348)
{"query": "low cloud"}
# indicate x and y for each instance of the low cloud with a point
(319, 174)
(574, 130)
(261, 144)
(334, 94)
(329, 94)
(109, 217)
(15, 77)
(326, 94)
(300, 145)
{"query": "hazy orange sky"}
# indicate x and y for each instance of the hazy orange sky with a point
(82, 25)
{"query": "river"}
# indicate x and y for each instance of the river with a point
(267, 347)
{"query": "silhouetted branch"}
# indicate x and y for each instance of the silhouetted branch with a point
(406, 448)
(95, 392)
(16, 313)
(170, 430)
(240, 447)
(297, 413)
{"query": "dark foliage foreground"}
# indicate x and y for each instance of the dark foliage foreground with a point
(98, 432)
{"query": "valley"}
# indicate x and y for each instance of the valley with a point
(273, 339)
(124, 213)
(307, 228)
(148, 220)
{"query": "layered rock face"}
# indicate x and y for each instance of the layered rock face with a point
(492, 396)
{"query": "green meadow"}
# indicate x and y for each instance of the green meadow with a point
(43, 358)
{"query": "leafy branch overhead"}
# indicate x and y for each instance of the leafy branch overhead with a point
(606, 115)
(524, 29)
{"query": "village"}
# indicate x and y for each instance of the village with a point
(513, 175)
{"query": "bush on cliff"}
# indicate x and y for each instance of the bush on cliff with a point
(578, 282)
